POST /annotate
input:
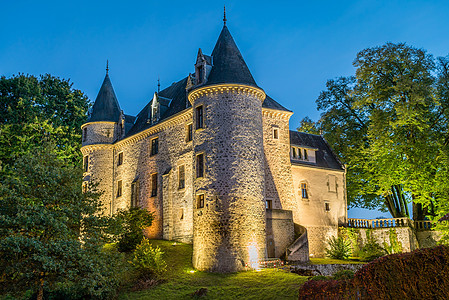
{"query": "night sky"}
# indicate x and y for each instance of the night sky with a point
(291, 47)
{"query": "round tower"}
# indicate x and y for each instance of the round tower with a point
(103, 127)
(229, 210)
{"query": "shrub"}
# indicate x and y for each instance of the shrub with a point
(326, 289)
(394, 246)
(132, 223)
(371, 250)
(352, 235)
(148, 259)
(421, 274)
(343, 274)
(339, 248)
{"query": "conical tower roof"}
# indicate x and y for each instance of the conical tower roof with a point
(106, 107)
(228, 63)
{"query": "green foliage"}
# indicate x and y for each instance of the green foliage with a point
(371, 249)
(351, 235)
(33, 109)
(309, 126)
(43, 212)
(132, 222)
(339, 248)
(394, 246)
(148, 259)
(389, 125)
(343, 275)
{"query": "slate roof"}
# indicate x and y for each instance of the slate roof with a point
(228, 64)
(178, 95)
(106, 107)
(325, 157)
(228, 67)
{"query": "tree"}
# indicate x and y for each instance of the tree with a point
(51, 233)
(388, 124)
(36, 108)
(308, 126)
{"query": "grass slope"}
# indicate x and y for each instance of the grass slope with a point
(180, 282)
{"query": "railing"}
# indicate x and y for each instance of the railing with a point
(424, 225)
(379, 223)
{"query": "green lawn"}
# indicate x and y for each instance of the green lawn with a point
(325, 261)
(180, 281)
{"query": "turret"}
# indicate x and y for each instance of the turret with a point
(104, 126)
(229, 209)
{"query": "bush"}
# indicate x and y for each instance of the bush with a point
(339, 248)
(132, 223)
(394, 246)
(371, 250)
(326, 289)
(148, 259)
(421, 274)
(343, 274)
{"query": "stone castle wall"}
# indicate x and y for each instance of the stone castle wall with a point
(280, 231)
(278, 175)
(320, 224)
(229, 231)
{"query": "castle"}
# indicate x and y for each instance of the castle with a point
(213, 157)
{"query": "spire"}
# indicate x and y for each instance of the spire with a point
(224, 15)
(107, 66)
(158, 84)
(228, 63)
(106, 107)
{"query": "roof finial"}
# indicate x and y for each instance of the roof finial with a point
(158, 84)
(107, 67)
(224, 15)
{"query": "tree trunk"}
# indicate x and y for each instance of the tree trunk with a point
(40, 294)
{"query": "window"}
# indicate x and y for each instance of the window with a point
(189, 135)
(294, 152)
(269, 204)
(181, 177)
(200, 74)
(199, 117)
(200, 165)
(119, 188)
(304, 193)
(86, 163)
(154, 146)
(154, 185)
(84, 134)
(306, 157)
(327, 206)
(200, 201)
(276, 133)
(181, 213)
(134, 193)
(120, 159)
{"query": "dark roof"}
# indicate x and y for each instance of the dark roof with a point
(271, 103)
(106, 107)
(228, 64)
(325, 157)
(177, 93)
(129, 122)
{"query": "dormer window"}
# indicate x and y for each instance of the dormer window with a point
(298, 153)
(200, 74)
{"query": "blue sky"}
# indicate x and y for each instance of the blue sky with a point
(291, 47)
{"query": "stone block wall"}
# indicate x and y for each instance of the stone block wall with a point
(229, 231)
(99, 133)
(280, 231)
(278, 173)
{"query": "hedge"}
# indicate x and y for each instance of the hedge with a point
(421, 274)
